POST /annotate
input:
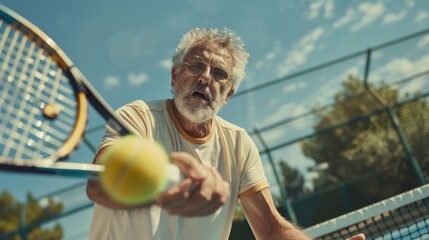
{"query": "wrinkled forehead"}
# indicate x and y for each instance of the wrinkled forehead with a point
(209, 52)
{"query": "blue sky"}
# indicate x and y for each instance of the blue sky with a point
(124, 49)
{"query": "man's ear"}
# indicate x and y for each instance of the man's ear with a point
(229, 95)
(173, 76)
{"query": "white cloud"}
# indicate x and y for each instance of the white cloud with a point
(329, 9)
(294, 86)
(423, 42)
(281, 113)
(269, 56)
(321, 7)
(359, 18)
(299, 55)
(260, 65)
(314, 9)
(419, 84)
(400, 68)
(111, 81)
(303, 122)
(137, 79)
(391, 17)
(396, 68)
(421, 15)
(273, 136)
(352, 71)
(327, 91)
(346, 19)
(285, 111)
(133, 79)
(312, 36)
(414, 86)
(368, 14)
(297, 159)
(275, 51)
(166, 63)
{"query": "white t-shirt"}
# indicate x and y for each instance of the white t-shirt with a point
(227, 148)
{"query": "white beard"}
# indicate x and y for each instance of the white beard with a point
(196, 112)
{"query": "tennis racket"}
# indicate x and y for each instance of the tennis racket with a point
(44, 103)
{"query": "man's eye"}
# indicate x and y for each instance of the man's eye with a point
(219, 74)
(196, 68)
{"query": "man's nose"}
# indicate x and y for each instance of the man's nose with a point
(205, 77)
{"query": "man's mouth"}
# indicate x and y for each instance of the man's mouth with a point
(200, 95)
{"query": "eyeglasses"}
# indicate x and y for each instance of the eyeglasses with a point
(218, 75)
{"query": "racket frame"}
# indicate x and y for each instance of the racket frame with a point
(84, 91)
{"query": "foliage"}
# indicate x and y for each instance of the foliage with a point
(370, 145)
(293, 180)
(36, 211)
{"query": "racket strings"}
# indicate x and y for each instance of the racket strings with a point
(30, 80)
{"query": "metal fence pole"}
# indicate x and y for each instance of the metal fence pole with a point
(290, 213)
(412, 161)
(23, 221)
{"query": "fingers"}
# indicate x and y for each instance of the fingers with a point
(176, 194)
(189, 166)
(201, 193)
(211, 194)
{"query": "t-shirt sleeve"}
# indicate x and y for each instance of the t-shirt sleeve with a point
(253, 177)
(137, 118)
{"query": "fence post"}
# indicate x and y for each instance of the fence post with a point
(290, 213)
(23, 221)
(412, 161)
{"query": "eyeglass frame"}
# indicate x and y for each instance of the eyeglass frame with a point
(220, 82)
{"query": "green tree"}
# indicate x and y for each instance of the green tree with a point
(36, 211)
(371, 145)
(293, 180)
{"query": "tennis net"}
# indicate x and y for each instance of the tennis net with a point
(405, 216)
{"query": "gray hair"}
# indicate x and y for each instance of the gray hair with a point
(226, 38)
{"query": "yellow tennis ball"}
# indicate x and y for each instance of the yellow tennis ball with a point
(135, 170)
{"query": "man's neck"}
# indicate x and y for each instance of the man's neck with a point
(197, 130)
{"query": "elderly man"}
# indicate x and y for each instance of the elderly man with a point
(219, 160)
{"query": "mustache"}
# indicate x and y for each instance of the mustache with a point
(197, 87)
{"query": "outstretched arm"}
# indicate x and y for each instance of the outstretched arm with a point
(265, 221)
(200, 193)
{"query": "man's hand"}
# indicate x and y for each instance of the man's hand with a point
(201, 192)
(360, 236)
